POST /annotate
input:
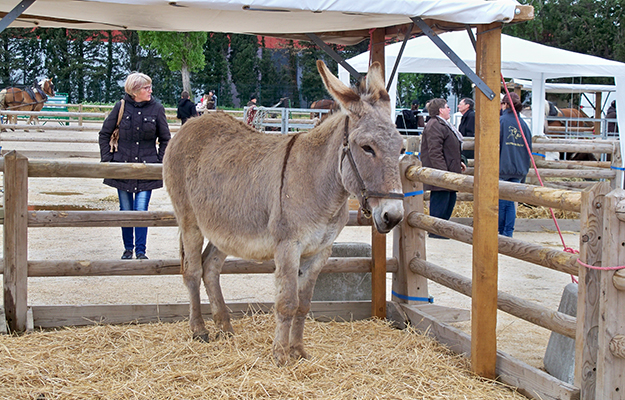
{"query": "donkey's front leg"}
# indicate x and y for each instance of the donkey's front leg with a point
(309, 271)
(287, 258)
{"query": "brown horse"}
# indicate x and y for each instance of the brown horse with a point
(324, 104)
(258, 197)
(30, 99)
(574, 115)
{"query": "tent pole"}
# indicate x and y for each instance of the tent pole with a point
(479, 83)
(485, 205)
(14, 14)
(335, 56)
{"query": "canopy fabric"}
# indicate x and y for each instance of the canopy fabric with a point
(254, 16)
(519, 59)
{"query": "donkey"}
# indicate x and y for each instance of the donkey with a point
(258, 197)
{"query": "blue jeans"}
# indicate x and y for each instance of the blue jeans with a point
(507, 214)
(442, 203)
(134, 202)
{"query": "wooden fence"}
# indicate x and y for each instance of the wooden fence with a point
(599, 328)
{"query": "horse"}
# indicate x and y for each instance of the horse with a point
(323, 104)
(573, 114)
(29, 99)
(259, 196)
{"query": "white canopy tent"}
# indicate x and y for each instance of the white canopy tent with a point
(519, 59)
(267, 17)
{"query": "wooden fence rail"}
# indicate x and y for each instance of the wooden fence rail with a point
(537, 195)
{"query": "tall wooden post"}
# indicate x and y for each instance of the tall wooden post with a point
(598, 113)
(486, 202)
(591, 232)
(378, 241)
(611, 328)
(409, 242)
(15, 240)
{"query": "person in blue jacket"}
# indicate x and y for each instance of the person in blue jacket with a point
(514, 157)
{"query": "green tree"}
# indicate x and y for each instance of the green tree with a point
(271, 76)
(214, 75)
(244, 65)
(182, 51)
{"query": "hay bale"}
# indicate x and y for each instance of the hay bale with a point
(356, 360)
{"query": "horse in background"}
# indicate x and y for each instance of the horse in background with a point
(324, 104)
(574, 114)
(28, 99)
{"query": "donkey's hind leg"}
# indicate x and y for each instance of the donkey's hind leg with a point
(212, 262)
(191, 241)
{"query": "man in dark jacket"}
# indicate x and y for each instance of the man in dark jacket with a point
(186, 108)
(612, 126)
(410, 119)
(441, 145)
(514, 157)
(467, 123)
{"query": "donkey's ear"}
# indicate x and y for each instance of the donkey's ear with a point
(375, 83)
(341, 92)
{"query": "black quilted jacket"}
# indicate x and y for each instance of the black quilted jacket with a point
(142, 125)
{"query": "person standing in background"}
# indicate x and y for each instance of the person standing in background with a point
(467, 123)
(142, 125)
(186, 108)
(514, 157)
(441, 146)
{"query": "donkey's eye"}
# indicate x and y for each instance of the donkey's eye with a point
(368, 150)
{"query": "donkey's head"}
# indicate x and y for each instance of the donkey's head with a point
(371, 147)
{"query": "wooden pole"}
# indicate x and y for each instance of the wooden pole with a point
(378, 241)
(15, 240)
(598, 112)
(485, 268)
(591, 230)
(611, 327)
(409, 242)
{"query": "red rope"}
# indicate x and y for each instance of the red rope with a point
(553, 216)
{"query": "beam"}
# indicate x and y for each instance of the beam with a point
(485, 267)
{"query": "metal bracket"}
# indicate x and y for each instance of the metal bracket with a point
(398, 59)
(335, 56)
(479, 83)
(14, 14)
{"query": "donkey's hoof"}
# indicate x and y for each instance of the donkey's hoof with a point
(202, 337)
(298, 352)
(281, 358)
(224, 335)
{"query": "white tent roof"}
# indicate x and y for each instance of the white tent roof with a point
(254, 16)
(519, 58)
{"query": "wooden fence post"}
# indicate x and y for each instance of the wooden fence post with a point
(485, 205)
(611, 331)
(617, 182)
(15, 240)
(378, 240)
(591, 232)
(409, 242)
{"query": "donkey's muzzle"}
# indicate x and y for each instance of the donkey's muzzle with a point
(388, 214)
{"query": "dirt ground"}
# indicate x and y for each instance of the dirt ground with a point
(521, 339)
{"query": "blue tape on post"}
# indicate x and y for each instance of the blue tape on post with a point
(538, 154)
(409, 194)
(617, 168)
(401, 296)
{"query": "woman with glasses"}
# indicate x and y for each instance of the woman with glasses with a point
(441, 146)
(142, 138)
